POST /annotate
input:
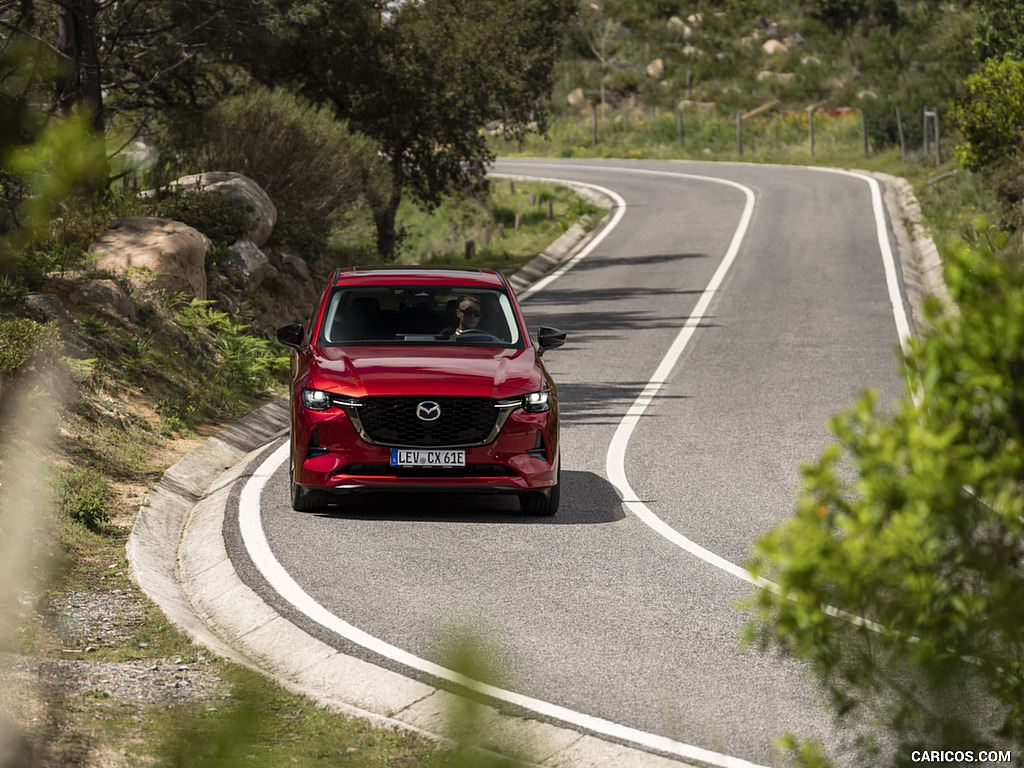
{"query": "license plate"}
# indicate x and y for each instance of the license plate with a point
(403, 457)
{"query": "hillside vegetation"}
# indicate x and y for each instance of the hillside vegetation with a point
(663, 79)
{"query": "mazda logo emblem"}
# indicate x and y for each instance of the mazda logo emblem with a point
(428, 410)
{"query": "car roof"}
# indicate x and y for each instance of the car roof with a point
(405, 274)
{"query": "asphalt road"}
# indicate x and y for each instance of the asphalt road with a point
(599, 610)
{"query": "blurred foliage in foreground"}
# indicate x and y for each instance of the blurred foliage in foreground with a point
(913, 520)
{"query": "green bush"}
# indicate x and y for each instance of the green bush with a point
(308, 161)
(83, 495)
(913, 521)
(211, 213)
(991, 114)
(24, 342)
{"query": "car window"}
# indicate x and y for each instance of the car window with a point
(408, 314)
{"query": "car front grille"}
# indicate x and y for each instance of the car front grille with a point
(394, 421)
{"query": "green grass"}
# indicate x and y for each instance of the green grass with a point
(440, 236)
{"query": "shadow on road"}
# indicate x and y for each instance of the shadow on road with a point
(587, 499)
(601, 403)
(601, 261)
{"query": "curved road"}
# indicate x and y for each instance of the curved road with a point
(625, 609)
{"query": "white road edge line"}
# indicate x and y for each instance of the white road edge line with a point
(281, 582)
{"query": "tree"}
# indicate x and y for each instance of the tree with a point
(911, 526)
(602, 38)
(424, 79)
(1000, 30)
(991, 114)
(450, 69)
(130, 60)
(44, 160)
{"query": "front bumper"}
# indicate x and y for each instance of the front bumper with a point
(328, 454)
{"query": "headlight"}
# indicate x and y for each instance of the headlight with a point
(537, 402)
(316, 399)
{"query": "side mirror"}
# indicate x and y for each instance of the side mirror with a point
(549, 338)
(291, 336)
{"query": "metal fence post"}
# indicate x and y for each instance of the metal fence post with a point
(899, 127)
(810, 129)
(925, 126)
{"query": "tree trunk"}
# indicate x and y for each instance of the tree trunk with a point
(79, 86)
(385, 212)
(384, 218)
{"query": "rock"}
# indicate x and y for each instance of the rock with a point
(296, 267)
(692, 52)
(251, 263)
(773, 48)
(656, 68)
(240, 190)
(778, 77)
(165, 254)
(46, 306)
(811, 61)
(106, 295)
(679, 29)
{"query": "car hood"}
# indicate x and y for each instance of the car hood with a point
(395, 371)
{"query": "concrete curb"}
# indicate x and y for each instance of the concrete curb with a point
(919, 257)
(177, 556)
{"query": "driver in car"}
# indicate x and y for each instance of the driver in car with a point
(469, 312)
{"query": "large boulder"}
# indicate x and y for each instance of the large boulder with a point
(251, 263)
(106, 295)
(242, 191)
(166, 254)
(45, 307)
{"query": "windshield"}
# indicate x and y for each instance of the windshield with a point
(409, 314)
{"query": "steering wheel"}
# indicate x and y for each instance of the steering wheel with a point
(476, 332)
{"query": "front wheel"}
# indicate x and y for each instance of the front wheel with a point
(543, 503)
(303, 499)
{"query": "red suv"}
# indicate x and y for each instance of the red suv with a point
(421, 379)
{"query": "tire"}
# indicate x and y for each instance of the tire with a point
(543, 503)
(304, 500)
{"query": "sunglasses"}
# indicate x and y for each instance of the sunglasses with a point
(470, 311)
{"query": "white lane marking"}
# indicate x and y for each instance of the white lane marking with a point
(892, 282)
(615, 464)
(280, 581)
